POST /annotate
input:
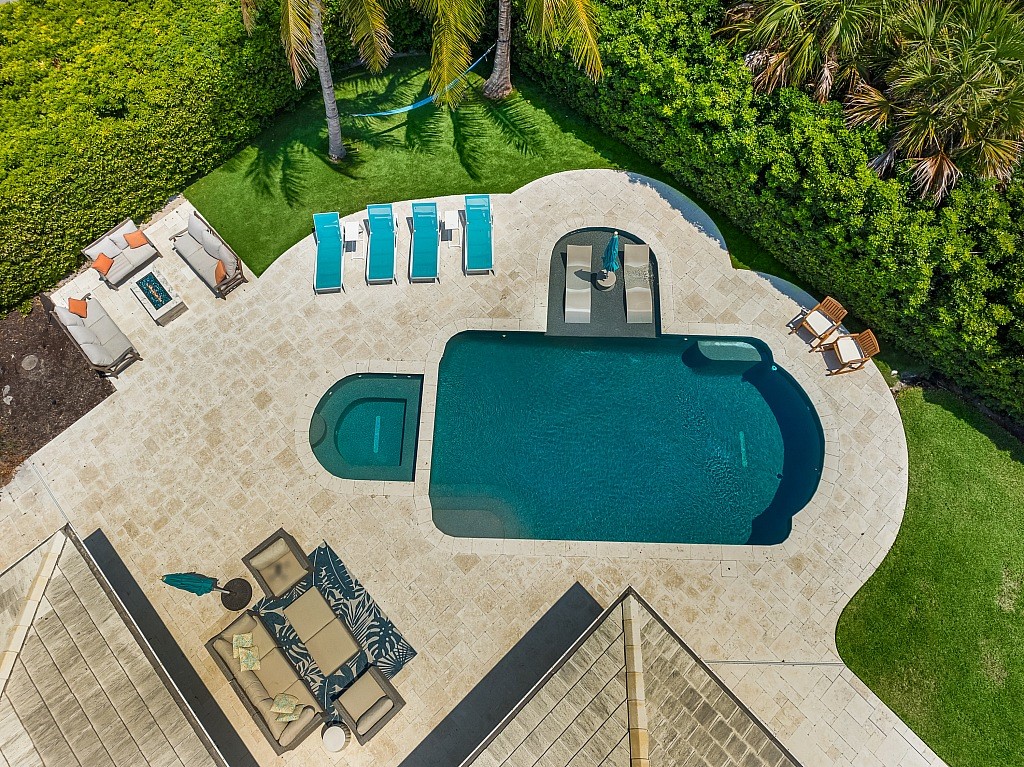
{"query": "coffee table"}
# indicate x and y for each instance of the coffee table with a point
(157, 296)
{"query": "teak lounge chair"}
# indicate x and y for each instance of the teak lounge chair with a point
(383, 241)
(329, 267)
(637, 270)
(426, 240)
(853, 351)
(578, 265)
(821, 321)
(478, 251)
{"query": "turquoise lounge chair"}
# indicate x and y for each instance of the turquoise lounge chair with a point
(383, 240)
(477, 252)
(426, 239)
(329, 269)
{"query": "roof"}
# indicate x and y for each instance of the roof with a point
(670, 709)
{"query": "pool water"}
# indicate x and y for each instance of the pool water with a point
(663, 440)
(365, 427)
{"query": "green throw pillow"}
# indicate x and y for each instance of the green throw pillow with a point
(284, 704)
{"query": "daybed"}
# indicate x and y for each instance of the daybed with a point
(213, 261)
(124, 258)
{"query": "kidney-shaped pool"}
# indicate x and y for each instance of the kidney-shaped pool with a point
(676, 439)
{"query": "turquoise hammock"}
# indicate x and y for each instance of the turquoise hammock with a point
(428, 99)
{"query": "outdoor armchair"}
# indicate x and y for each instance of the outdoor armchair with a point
(278, 563)
(821, 321)
(852, 351)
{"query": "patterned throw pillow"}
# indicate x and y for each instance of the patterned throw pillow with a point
(284, 704)
(249, 658)
(291, 716)
(240, 640)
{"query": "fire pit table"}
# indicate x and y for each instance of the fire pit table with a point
(158, 297)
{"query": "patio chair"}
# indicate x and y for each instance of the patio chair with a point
(115, 258)
(383, 241)
(637, 284)
(477, 251)
(853, 351)
(426, 240)
(368, 704)
(578, 272)
(329, 267)
(821, 321)
(278, 563)
(209, 256)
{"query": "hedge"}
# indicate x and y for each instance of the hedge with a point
(110, 107)
(946, 283)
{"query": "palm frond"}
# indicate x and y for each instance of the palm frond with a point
(297, 37)
(249, 10)
(935, 175)
(576, 22)
(367, 22)
(455, 24)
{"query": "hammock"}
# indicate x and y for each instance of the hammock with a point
(428, 99)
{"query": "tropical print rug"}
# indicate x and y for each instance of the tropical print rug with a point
(381, 643)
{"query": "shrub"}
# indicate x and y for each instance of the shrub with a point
(947, 283)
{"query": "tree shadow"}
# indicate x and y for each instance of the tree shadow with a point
(275, 170)
(478, 117)
(424, 127)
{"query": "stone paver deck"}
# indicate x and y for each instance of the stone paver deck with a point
(202, 452)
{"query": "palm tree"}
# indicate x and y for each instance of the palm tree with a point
(813, 43)
(458, 23)
(302, 34)
(953, 96)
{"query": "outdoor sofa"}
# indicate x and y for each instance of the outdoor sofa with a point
(257, 689)
(578, 265)
(212, 259)
(126, 259)
(97, 336)
(637, 276)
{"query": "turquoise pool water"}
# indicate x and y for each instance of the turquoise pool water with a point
(365, 427)
(663, 440)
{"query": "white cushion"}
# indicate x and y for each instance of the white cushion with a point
(211, 243)
(67, 317)
(196, 228)
(228, 259)
(97, 354)
(140, 255)
(82, 335)
(848, 350)
(105, 245)
(818, 323)
(120, 269)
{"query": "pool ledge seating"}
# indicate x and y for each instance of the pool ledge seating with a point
(329, 267)
(578, 265)
(637, 271)
(477, 251)
(382, 244)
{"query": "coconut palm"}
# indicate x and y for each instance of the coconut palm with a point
(952, 98)
(458, 23)
(813, 43)
(302, 34)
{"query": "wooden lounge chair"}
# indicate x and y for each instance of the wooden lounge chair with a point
(853, 351)
(578, 267)
(821, 321)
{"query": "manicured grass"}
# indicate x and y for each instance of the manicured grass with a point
(937, 632)
(263, 199)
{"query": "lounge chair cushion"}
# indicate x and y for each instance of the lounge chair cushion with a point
(360, 696)
(68, 318)
(373, 715)
(818, 323)
(332, 646)
(308, 614)
(228, 258)
(82, 334)
(97, 354)
(848, 350)
(211, 243)
(275, 672)
(282, 571)
(105, 245)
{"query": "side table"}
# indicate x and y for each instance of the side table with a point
(335, 737)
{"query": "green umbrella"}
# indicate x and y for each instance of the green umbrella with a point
(193, 582)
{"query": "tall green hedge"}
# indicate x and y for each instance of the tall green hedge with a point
(947, 283)
(110, 107)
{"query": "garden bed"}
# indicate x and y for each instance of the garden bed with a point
(39, 399)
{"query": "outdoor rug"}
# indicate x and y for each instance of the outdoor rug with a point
(380, 642)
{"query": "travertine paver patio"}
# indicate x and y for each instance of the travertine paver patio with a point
(202, 453)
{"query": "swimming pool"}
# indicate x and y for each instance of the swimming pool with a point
(365, 426)
(674, 439)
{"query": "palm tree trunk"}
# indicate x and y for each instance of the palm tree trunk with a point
(499, 84)
(335, 146)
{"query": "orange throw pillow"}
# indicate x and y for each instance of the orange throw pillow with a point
(135, 239)
(103, 263)
(78, 306)
(220, 273)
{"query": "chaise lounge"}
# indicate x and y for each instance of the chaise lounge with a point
(97, 336)
(120, 252)
(426, 240)
(213, 261)
(637, 283)
(578, 265)
(381, 245)
(329, 267)
(478, 248)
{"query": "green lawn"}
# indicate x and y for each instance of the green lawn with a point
(938, 631)
(262, 200)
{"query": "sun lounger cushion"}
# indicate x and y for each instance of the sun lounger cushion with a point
(328, 274)
(818, 323)
(479, 255)
(380, 257)
(847, 349)
(425, 241)
(578, 266)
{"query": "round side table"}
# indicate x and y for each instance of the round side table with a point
(236, 594)
(605, 280)
(335, 737)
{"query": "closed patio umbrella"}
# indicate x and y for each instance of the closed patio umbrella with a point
(610, 260)
(192, 582)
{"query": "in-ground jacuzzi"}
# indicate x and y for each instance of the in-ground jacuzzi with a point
(675, 439)
(365, 427)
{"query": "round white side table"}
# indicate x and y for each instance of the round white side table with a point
(605, 280)
(335, 737)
